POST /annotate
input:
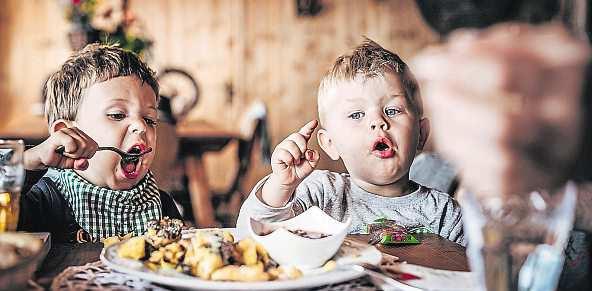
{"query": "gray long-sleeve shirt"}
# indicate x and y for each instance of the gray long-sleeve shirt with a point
(338, 196)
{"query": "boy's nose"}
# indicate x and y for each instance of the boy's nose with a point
(379, 123)
(138, 127)
(138, 130)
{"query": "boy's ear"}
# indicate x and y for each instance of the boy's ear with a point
(60, 124)
(327, 144)
(424, 133)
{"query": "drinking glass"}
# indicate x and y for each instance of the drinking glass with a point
(517, 242)
(12, 175)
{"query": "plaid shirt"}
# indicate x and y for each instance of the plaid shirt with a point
(103, 212)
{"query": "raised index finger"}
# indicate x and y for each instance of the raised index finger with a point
(308, 129)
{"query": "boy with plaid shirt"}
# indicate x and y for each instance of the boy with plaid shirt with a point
(101, 95)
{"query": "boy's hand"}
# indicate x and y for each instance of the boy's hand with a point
(78, 148)
(291, 162)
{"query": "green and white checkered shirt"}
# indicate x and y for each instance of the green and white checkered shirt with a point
(103, 212)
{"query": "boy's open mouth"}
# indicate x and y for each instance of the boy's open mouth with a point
(130, 165)
(383, 148)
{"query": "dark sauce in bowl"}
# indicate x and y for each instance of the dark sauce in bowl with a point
(308, 234)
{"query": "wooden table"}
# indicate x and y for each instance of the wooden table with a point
(33, 130)
(197, 138)
(434, 251)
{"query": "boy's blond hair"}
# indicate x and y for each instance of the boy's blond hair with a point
(64, 89)
(369, 60)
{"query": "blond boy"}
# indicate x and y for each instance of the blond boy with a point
(371, 117)
(102, 95)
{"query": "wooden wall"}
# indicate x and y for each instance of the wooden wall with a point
(259, 48)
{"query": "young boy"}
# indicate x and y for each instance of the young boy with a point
(102, 95)
(371, 117)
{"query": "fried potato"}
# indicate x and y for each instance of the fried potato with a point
(152, 266)
(211, 238)
(289, 272)
(274, 273)
(133, 248)
(110, 240)
(241, 273)
(156, 256)
(201, 252)
(173, 253)
(115, 239)
(208, 264)
(262, 253)
(167, 266)
(200, 240)
(173, 247)
(248, 247)
(195, 254)
(226, 273)
(190, 259)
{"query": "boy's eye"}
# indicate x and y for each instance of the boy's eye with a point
(116, 116)
(392, 111)
(151, 122)
(356, 115)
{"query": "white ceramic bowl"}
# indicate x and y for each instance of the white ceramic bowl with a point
(288, 248)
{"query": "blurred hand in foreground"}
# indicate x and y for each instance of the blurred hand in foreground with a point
(505, 104)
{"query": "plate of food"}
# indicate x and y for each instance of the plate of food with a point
(212, 259)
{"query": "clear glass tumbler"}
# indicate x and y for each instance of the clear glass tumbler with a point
(518, 242)
(12, 175)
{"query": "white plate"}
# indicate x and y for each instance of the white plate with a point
(350, 252)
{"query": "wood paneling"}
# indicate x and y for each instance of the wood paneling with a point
(286, 55)
(33, 35)
(259, 48)
(4, 45)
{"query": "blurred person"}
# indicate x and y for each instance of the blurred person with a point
(514, 116)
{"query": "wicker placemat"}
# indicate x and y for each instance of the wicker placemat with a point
(360, 284)
(97, 276)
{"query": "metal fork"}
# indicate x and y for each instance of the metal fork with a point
(126, 157)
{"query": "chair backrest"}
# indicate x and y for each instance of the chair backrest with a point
(431, 170)
(253, 130)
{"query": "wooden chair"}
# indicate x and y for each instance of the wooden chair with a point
(185, 149)
(253, 135)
